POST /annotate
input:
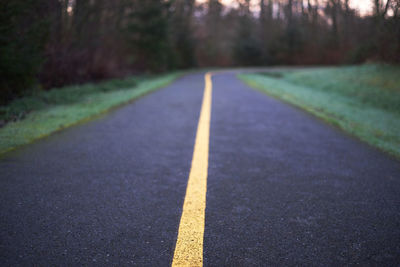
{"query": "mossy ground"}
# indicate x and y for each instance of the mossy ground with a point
(362, 100)
(43, 113)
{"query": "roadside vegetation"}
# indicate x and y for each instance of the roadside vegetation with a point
(54, 43)
(362, 100)
(47, 44)
(44, 112)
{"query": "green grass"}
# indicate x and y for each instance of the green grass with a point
(362, 100)
(43, 113)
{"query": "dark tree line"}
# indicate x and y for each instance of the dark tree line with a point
(59, 42)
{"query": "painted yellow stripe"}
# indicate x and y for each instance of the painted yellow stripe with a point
(189, 245)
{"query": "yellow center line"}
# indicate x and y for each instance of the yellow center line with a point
(189, 245)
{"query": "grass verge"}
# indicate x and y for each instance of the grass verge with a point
(362, 100)
(43, 113)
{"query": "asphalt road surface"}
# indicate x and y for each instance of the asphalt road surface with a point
(284, 188)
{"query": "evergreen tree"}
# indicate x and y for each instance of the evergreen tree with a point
(23, 33)
(147, 33)
(181, 33)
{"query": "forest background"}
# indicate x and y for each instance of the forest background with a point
(52, 43)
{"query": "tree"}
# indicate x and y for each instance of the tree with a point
(246, 49)
(181, 33)
(23, 35)
(147, 32)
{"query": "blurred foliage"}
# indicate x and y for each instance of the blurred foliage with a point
(23, 32)
(39, 100)
(147, 32)
(53, 43)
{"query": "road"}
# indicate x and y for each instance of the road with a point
(283, 188)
